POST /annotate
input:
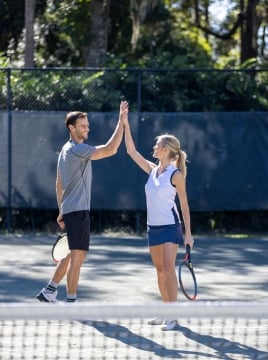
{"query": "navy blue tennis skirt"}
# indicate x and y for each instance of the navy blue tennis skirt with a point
(158, 235)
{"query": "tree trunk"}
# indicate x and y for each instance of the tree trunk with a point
(29, 33)
(95, 52)
(138, 12)
(249, 31)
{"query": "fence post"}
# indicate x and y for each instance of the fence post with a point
(139, 92)
(9, 152)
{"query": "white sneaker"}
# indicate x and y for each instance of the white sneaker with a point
(169, 325)
(156, 321)
(45, 296)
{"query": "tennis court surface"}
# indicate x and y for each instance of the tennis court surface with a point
(118, 293)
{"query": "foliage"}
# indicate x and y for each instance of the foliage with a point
(169, 38)
(172, 28)
(120, 28)
(12, 25)
(131, 221)
(61, 34)
(148, 90)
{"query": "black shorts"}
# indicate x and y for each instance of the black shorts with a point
(77, 225)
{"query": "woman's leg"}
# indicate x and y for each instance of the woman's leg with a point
(169, 260)
(164, 258)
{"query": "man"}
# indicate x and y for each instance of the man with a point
(73, 190)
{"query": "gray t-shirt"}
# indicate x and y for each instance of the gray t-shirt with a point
(75, 170)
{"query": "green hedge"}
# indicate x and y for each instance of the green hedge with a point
(147, 90)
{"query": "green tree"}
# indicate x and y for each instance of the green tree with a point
(96, 48)
(11, 24)
(64, 33)
(74, 33)
(139, 9)
(136, 32)
(245, 20)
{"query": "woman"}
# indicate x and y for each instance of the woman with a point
(166, 180)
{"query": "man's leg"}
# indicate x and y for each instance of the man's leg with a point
(73, 274)
(49, 293)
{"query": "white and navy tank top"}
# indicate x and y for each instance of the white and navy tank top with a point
(160, 198)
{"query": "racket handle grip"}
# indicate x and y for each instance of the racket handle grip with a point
(188, 253)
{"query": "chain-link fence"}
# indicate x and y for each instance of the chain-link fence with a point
(147, 90)
(221, 118)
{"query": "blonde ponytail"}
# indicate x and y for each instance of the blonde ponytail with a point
(181, 162)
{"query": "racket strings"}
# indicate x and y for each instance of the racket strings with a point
(61, 248)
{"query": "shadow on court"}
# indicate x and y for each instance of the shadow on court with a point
(226, 268)
(119, 269)
(224, 348)
(126, 336)
(219, 346)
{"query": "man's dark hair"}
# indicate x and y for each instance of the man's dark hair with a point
(71, 117)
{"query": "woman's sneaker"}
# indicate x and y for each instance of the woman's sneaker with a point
(169, 325)
(156, 321)
(47, 296)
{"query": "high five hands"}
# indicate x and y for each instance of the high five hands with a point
(124, 109)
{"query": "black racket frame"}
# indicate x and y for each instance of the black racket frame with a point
(188, 263)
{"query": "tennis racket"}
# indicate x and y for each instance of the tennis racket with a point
(60, 248)
(187, 277)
